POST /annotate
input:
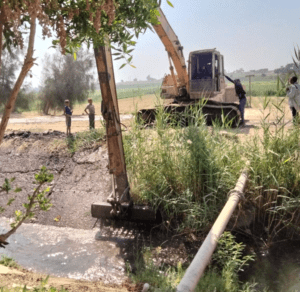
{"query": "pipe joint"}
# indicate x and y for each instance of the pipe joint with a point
(235, 192)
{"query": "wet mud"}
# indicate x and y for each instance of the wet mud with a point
(79, 179)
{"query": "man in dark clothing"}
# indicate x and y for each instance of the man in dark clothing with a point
(241, 93)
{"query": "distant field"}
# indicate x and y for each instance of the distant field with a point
(258, 88)
(138, 85)
(261, 88)
(128, 91)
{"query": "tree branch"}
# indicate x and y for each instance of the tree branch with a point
(27, 214)
(28, 63)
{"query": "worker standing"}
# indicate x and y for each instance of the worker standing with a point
(91, 108)
(68, 113)
(241, 93)
(293, 93)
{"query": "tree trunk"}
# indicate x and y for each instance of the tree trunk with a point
(46, 107)
(1, 37)
(28, 63)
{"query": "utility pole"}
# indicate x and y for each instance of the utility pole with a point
(250, 87)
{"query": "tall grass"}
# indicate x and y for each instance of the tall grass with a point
(183, 171)
(275, 177)
(187, 172)
(221, 274)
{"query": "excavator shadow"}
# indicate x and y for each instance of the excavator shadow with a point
(132, 240)
(137, 242)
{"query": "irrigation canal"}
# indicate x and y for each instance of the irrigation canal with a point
(91, 255)
(67, 252)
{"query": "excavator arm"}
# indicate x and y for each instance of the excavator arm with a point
(175, 52)
(119, 204)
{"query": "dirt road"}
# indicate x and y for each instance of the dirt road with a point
(36, 122)
(33, 121)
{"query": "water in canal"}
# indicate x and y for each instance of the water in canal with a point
(277, 268)
(68, 252)
(95, 255)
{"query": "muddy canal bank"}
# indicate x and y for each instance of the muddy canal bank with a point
(62, 241)
(79, 179)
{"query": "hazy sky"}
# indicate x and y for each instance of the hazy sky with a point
(250, 34)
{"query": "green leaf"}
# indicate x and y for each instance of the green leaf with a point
(170, 3)
(10, 201)
(122, 66)
(17, 190)
(132, 66)
(55, 42)
(25, 205)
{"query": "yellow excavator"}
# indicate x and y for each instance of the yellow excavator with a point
(202, 79)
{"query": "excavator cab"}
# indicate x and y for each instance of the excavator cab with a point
(206, 73)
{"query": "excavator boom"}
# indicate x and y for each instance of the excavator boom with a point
(174, 49)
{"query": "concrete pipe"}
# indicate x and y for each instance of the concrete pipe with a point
(202, 258)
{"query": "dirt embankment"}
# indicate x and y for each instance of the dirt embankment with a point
(79, 179)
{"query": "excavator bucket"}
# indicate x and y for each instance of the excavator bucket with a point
(128, 212)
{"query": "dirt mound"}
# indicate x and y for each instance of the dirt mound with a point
(79, 179)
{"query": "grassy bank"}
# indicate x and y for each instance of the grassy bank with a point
(188, 172)
(221, 274)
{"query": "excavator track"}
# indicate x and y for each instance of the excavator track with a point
(183, 113)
